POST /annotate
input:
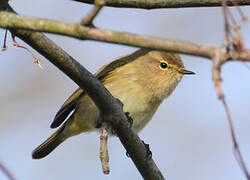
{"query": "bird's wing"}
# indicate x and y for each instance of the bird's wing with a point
(71, 103)
(68, 106)
(118, 62)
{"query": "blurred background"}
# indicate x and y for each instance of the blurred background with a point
(189, 135)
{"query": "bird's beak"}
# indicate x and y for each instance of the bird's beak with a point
(185, 72)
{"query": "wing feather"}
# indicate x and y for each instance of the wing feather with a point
(68, 106)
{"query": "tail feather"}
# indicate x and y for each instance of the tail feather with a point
(49, 145)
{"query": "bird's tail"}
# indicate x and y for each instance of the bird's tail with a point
(49, 145)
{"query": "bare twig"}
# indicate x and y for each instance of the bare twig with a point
(4, 41)
(246, 65)
(238, 42)
(237, 151)
(244, 18)
(231, 17)
(232, 32)
(88, 20)
(36, 59)
(6, 172)
(217, 63)
(104, 155)
(226, 25)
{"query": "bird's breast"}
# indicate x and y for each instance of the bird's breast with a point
(139, 103)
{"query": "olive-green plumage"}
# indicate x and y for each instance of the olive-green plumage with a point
(141, 80)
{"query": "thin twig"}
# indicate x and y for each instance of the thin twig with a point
(237, 152)
(88, 20)
(4, 41)
(6, 172)
(217, 63)
(237, 40)
(36, 59)
(246, 65)
(104, 155)
(231, 17)
(226, 24)
(244, 18)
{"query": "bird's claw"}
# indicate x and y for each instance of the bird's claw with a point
(149, 153)
(130, 120)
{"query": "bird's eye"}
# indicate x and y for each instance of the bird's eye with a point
(163, 65)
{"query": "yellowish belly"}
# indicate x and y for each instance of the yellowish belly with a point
(140, 109)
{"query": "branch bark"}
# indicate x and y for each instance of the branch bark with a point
(6, 172)
(153, 4)
(10, 21)
(88, 20)
(110, 107)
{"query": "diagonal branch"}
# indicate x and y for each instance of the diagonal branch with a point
(153, 4)
(110, 107)
(6, 172)
(88, 20)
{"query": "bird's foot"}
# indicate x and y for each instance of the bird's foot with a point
(149, 153)
(130, 119)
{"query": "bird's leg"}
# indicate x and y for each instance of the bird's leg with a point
(100, 123)
(104, 155)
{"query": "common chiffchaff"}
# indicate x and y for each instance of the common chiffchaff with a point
(141, 80)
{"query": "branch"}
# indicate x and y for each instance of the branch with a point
(6, 172)
(153, 4)
(88, 20)
(110, 107)
(216, 70)
(10, 21)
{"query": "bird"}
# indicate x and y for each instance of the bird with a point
(141, 81)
